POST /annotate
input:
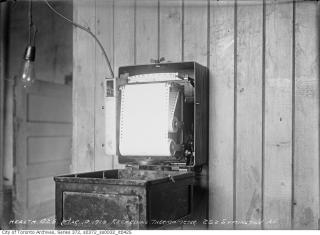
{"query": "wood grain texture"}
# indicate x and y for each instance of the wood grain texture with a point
(41, 109)
(170, 42)
(278, 116)
(124, 22)
(104, 30)
(183, 35)
(124, 39)
(221, 113)
(36, 196)
(146, 31)
(306, 142)
(44, 149)
(196, 31)
(19, 202)
(62, 43)
(49, 168)
(54, 38)
(83, 88)
(3, 45)
(33, 140)
(249, 116)
(53, 56)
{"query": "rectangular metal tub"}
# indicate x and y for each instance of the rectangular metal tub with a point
(122, 199)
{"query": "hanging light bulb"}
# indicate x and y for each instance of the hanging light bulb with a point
(28, 70)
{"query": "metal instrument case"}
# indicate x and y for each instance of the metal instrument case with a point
(149, 196)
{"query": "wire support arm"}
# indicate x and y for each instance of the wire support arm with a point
(86, 29)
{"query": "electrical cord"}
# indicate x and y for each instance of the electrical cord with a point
(86, 29)
(30, 19)
(32, 39)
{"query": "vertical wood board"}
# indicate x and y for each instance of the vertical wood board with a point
(171, 18)
(278, 116)
(249, 116)
(195, 34)
(306, 142)
(3, 21)
(124, 39)
(221, 114)
(104, 30)
(124, 27)
(83, 88)
(146, 31)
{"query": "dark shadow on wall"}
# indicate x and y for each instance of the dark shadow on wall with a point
(53, 64)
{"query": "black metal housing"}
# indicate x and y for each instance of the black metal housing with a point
(198, 76)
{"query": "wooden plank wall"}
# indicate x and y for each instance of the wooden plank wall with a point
(221, 106)
(3, 57)
(53, 57)
(278, 115)
(306, 118)
(263, 58)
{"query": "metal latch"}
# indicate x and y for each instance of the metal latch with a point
(157, 61)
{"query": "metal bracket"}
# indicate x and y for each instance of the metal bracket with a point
(122, 80)
(186, 77)
(157, 61)
(109, 87)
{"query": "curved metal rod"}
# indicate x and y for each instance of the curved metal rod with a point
(86, 29)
